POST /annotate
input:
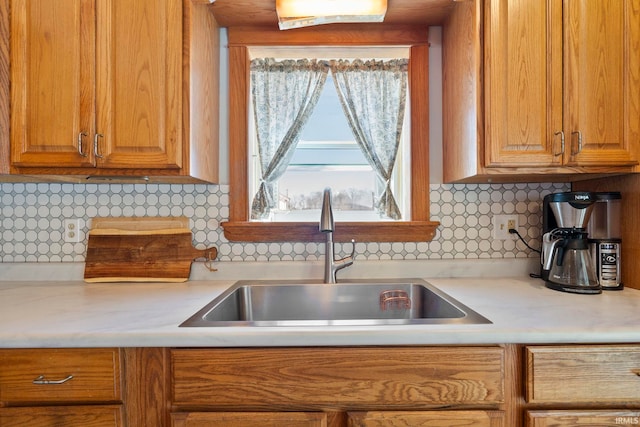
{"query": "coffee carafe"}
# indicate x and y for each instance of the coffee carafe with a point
(566, 259)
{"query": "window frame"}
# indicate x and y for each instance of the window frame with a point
(239, 228)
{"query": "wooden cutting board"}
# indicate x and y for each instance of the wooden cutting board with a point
(141, 250)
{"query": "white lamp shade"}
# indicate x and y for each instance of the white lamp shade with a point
(303, 13)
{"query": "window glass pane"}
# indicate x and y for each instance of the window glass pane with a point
(327, 155)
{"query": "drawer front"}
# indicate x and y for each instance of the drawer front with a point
(67, 416)
(426, 419)
(581, 374)
(587, 418)
(249, 419)
(345, 378)
(60, 375)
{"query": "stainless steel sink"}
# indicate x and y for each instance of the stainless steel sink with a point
(362, 302)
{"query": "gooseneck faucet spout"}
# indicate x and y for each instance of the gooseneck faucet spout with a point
(326, 214)
(332, 265)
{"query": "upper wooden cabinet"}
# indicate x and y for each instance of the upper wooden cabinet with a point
(602, 81)
(550, 89)
(114, 88)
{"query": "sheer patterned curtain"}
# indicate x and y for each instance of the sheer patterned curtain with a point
(284, 95)
(373, 95)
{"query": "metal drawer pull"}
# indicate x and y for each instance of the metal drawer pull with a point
(80, 150)
(561, 133)
(41, 380)
(579, 142)
(96, 151)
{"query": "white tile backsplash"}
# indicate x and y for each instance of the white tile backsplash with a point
(32, 216)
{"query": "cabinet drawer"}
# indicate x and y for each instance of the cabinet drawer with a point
(587, 418)
(598, 373)
(95, 375)
(249, 419)
(346, 378)
(67, 416)
(426, 419)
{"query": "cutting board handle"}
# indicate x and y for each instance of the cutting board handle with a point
(207, 255)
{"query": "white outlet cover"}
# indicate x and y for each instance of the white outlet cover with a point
(72, 230)
(500, 228)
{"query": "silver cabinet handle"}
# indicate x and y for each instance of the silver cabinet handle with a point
(561, 133)
(80, 150)
(96, 151)
(41, 380)
(579, 142)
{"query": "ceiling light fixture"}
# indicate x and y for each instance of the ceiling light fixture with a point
(305, 13)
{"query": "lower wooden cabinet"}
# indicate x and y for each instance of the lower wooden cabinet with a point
(602, 383)
(426, 419)
(586, 418)
(417, 386)
(583, 374)
(61, 388)
(62, 416)
(339, 386)
(350, 419)
(346, 378)
(249, 419)
(60, 376)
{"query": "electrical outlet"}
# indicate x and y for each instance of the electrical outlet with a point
(501, 226)
(72, 230)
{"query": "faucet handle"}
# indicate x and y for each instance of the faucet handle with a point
(333, 265)
(353, 249)
(348, 260)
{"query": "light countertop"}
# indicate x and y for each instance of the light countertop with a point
(76, 314)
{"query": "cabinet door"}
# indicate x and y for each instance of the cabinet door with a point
(426, 419)
(587, 418)
(52, 82)
(139, 77)
(62, 416)
(523, 82)
(348, 378)
(602, 87)
(59, 375)
(583, 374)
(249, 419)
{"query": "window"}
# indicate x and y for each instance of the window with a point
(239, 227)
(327, 155)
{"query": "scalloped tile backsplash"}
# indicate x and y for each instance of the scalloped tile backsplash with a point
(32, 215)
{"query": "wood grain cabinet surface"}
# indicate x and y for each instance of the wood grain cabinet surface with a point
(586, 418)
(595, 374)
(344, 378)
(432, 386)
(338, 386)
(100, 88)
(60, 387)
(249, 419)
(62, 416)
(582, 385)
(551, 92)
(426, 419)
(82, 375)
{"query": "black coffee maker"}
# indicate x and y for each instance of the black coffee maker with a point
(566, 262)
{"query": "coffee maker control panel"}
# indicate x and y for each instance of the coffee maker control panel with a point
(607, 260)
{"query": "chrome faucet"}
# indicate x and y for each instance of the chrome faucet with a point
(332, 265)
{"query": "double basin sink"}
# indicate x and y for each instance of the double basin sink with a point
(352, 303)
